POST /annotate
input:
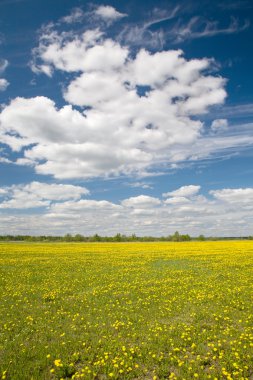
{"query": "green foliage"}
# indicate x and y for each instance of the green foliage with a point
(176, 237)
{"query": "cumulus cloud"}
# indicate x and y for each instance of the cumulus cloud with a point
(142, 201)
(38, 194)
(184, 191)
(240, 196)
(176, 200)
(108, 13)
(132, 117)
(121, 116)
(83, 205)
(5, 160)
(86, 52)
(228, 212)
(3, 192)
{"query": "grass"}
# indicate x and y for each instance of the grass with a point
(126, 311)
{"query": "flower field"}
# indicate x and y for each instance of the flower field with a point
(126, 311)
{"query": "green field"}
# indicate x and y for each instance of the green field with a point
(126, 311)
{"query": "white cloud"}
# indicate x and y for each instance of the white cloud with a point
(198, 27)
(76, 15)
(38, 194)
(83, 205)
(143, 185)
(176, 200)
(227, 213)
(103, 13)
(143, 34)
(219, 125)
(87, 52)
(108, 13)
(240, 196)
(135, 35)
(3, 192)
(184, 191)
(177, 31)
(142, 201)
(3, 65)
(3, 84)
(137, 117)
(57, 192)
(5, 160)
(131, 118)
(235, 111)
(91, 89)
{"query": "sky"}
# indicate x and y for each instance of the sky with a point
(126, 117)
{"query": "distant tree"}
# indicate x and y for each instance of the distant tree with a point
(201, 237)
(185, 237)
(68, 237)
(117, 237)
(96, 237)
(79, 237)
(176, 236)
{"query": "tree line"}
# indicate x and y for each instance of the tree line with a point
(176, 237)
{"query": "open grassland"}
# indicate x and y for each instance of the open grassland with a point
(126, 311)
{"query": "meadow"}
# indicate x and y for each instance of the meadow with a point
(147, 311)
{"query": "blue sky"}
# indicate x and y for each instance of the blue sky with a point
(130, 117)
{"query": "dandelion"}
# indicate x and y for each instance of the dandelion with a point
(58, 363)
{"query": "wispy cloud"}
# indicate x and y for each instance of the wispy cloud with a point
(160, 15)
(173, 26)
(197, 27)
(76, 15)
(3, 82)
(143, 34)
(234, 111)
(142, 185)
(3, 65)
